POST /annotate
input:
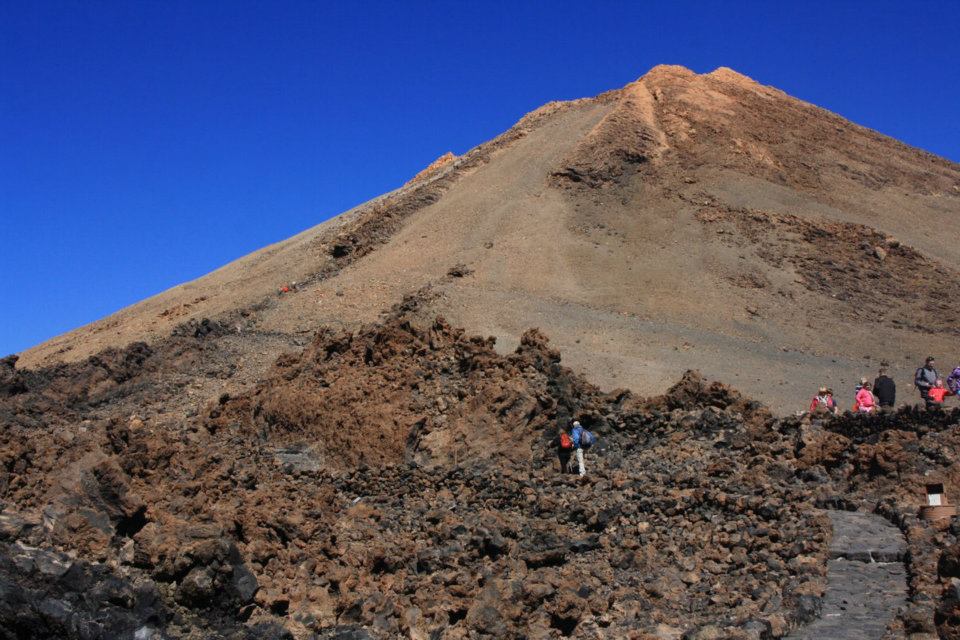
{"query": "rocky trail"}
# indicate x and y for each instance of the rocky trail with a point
(866, 580)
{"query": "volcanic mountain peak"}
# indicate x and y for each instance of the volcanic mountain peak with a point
(683, 221)
(680, 75)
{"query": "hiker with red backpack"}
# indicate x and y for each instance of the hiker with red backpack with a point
(582, 439)
(564, 449)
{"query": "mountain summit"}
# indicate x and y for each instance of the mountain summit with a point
(684, 221)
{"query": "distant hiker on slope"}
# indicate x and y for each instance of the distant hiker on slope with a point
(866, 402)
(925, 378)
(582, 439)
(937, 393)
(885, 388)
(564, 449)
(823, 402)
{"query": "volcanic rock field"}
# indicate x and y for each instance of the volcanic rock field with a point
(402, 481)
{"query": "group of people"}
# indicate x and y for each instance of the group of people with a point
(868, 397)
(882, 393)
(574, 442)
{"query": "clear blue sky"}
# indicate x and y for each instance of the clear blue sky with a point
(143, 144)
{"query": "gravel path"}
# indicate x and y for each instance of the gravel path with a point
(866, 579)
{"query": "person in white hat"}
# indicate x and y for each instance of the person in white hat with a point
(577, 435)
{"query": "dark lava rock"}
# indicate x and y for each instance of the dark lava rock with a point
(403, 480)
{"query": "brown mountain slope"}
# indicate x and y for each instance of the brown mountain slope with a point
(684, 221)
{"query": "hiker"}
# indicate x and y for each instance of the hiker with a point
(925, 378)
(822, 402)
(856, 389)
(937, 393)
(885, 388)
(953, 381)
(582, 439)
(564, 449)
(856, 393)
(866, 401)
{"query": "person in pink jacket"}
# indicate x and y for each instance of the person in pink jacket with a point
(866, 402)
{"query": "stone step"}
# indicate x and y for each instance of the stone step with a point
(865, 537)
(866, 580)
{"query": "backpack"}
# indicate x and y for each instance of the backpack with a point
(953, 381)
(566, 442)
(587, 439)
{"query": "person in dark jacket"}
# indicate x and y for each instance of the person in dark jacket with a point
(925, 378)
(885, 388)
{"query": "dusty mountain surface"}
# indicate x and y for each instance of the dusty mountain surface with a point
(683, 221)
(403, 480)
